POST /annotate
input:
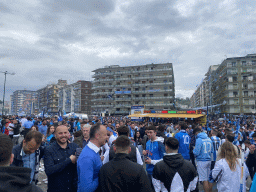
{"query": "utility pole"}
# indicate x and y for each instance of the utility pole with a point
(5, 73)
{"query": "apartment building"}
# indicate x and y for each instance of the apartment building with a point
(76, 97)
(203, 95)
(116, 88)
(24, 102)
(48, 97)
(234, 85)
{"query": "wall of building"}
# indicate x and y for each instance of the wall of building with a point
(117, 88)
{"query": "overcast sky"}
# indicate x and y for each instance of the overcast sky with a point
(46, 40)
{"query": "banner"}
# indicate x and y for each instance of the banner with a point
(203, 120)
(137, 110)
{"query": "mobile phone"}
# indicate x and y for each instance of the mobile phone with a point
(78, 152)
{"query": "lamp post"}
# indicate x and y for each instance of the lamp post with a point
(5, 73)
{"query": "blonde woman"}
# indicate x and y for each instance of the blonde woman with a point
(228, 170)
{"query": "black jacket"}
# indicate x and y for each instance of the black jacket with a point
(61, 172)
(123, 175)
(16, 179)
(132, 155)
(79, 141)
(251, 161)
(16, 129)
(174, 166)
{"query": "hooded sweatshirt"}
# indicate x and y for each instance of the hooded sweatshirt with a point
(175, 173)
(155, 151)
(204, 147)
(16, 179)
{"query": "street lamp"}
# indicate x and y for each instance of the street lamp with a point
(5, 73)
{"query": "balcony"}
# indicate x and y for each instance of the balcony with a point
(121, 112)
(102, 86)
(122, 105)
(151, 91)
(103, 80)
(93, 106)
(152, 98)
(103, 93)
(101, 74)
(147, 77)
(123, 99)
(159, 104)
(129, 71)
(103, 99)
(149, 84)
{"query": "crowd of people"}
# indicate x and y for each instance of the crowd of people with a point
(118, 154)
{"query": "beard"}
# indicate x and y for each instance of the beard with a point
(62, 140)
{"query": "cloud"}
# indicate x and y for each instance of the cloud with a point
(43, 41)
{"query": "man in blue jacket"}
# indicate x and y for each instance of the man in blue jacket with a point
(184, 141)
(154, 151)
(203, 153)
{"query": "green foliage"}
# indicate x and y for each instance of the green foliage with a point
(183, 101)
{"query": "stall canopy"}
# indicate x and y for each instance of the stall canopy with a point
(164, 115)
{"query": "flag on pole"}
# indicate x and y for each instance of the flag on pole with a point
(242, 170)
(60, 116)
(237, 129)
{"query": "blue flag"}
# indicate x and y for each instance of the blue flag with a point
(3, 130)
(237, 129)
(60, 116)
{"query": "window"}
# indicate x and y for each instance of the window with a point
(151, 95)
(245, 93)
(165, 94)
(233, 64)
(235, 93)
(144, 95)
(86, 85)
(234, 79)
(244, 63)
